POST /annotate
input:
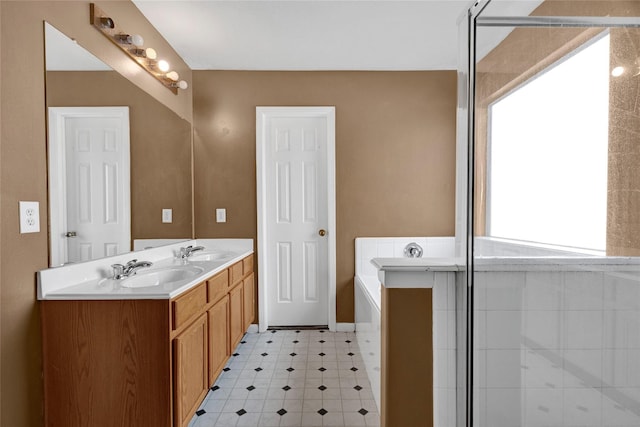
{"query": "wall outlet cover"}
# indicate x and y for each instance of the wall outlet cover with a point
(29, 217)
(221, 215)
(167, 216)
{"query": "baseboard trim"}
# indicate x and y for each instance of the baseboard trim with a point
(340, 327)
(345, 327)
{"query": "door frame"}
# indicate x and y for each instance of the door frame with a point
(57, 171)
(263, 114)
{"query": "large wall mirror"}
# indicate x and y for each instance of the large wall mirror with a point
(117, 159)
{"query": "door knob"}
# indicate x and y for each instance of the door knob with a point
(322, 232)
(70, 234)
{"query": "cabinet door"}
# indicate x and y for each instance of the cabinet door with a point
(190, 371)
(219, 350)
(236, 320)
(248, 300)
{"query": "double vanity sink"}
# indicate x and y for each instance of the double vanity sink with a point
(138, 339)
(182, 270)
(167, 277)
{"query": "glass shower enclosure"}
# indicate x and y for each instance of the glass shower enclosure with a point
(549, 146)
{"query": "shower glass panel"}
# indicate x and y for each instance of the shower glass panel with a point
(555, 283)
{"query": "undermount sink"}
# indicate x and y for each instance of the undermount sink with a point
(161, 276)
(210, 256)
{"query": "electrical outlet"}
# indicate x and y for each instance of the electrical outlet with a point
(29, 217)
(221, 215)
(167, 216)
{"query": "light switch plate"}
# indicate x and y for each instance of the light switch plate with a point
(167, 216)
(221, 215)
(29, 217)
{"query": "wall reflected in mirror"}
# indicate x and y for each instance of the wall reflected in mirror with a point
(122, 178)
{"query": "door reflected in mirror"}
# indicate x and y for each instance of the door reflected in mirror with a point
(117, 157)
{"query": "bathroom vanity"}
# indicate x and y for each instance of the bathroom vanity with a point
(142, 355)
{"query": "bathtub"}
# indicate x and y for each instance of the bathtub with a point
(368, 302)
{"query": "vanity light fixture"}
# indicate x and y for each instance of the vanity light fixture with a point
(133, 45)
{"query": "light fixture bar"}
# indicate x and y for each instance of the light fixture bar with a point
(132, 46)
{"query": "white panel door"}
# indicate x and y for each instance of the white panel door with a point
(97, 204)
(297, 220)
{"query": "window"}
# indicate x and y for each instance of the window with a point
(547, 154)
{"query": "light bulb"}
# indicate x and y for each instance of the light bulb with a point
(137, 40)
(617, 72)
(172, 75)
(151, 53)
(163, 66)
(106, 22)
(182, 84)
(125, 38)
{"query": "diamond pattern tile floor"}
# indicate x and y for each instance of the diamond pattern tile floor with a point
(294, 378)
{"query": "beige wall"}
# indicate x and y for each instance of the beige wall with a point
(160, 148)
(623, 189)
(23, 173)
(395, 153)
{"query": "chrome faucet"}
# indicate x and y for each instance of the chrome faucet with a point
(186, 252)
(129, 269)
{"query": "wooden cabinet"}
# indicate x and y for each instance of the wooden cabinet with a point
(248, 301)
(142, 362)
(219, 345)
(236, 321)
(188, 305)
(191, 376)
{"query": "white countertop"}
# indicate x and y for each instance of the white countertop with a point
(90, 280)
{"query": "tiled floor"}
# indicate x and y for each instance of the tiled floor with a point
(291, 378)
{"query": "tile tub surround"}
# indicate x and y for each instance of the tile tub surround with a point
(368, 303)
(292, 378)
(84, 280)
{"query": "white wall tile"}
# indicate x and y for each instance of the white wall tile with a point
(541, 372)
(543, 408)
(582, 407)
(542, 329)
(582, 368)
(504, 407)
(385, 249)
(504, 368)
(504, 291)
(622, 291)
(617, 415)
(583, 291)
(504, 329)
(543, 290)
(622, 329)
(584, 329)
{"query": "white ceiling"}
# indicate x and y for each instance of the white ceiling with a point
(309, 34)
(304, 34)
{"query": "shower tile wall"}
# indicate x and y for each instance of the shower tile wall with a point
(557, 348)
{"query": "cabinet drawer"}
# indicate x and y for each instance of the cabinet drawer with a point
(247, 265)
(237, 272)
(217, 286)
(188, 305)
